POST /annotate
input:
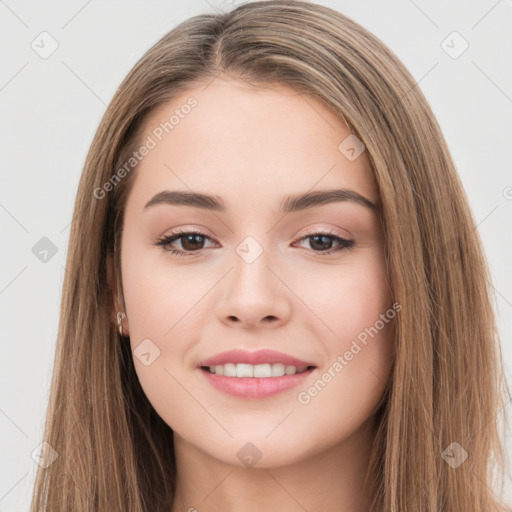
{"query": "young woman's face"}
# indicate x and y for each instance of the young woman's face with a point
(304, 279)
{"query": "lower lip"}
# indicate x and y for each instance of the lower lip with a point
(253, 387)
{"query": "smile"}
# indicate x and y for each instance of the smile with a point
(259, 374)
(260, 385)
(258, 371)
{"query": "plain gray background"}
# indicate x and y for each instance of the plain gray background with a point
(50, 109)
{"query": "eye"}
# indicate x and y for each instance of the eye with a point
(322, 242)
(193, 241)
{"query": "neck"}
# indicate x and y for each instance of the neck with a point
(329, 481)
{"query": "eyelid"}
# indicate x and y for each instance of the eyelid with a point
(179, 233)
(347, 242)
(166, 240)
(326, 231)
(309, 232)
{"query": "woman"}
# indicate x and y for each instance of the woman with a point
(275, 297)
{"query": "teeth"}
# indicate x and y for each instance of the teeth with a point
(277, 370)
(244, 370)
(290, 370)
(230, 370)
(258, 371)
(263, 370)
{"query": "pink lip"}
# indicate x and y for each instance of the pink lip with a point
(259, 357)
(251, 387)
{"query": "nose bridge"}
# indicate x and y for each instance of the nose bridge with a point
(251, 250)
(251, 268)
(254, 293)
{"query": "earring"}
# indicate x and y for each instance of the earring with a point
(119, 322)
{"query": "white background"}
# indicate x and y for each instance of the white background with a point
(50, 109)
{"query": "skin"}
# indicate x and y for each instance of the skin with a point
(252, 147)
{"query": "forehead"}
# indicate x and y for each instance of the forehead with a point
(247, 145)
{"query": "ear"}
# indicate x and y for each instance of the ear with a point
(116, 302)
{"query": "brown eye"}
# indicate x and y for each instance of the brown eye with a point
(191, 241)
(322, 243)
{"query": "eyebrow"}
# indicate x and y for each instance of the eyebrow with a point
(289, 204)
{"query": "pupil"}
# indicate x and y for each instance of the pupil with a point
(323, 238)
(190, 239)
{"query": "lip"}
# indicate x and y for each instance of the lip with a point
(260, 357)
(253, 387)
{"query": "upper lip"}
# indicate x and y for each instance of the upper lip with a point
(260, 357)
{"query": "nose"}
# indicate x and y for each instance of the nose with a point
(254, 295)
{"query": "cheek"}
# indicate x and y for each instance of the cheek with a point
(156, 295)
(349, 299)
(359, 352)
(165, 309)
(357, 322)
(160, 309)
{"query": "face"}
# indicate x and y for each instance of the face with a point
(259, 272)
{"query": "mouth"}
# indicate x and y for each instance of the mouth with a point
(255, 381)
(256, 371)
(259, 374)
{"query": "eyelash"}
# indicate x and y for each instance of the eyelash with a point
(168, 239)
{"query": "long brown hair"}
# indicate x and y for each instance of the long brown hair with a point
(447, 386)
